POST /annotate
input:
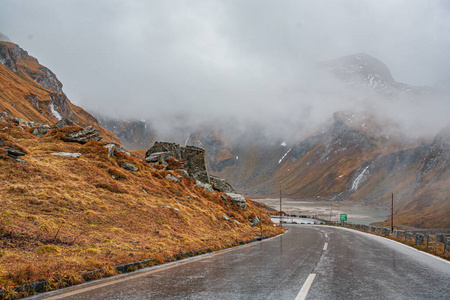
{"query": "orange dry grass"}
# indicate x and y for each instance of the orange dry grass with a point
(60, 217)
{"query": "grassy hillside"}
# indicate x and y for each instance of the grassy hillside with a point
(63, 216)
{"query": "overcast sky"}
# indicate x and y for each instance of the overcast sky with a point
(146, 58)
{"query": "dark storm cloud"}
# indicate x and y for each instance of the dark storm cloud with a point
(254, 61)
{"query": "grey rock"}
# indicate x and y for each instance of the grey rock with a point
(111, 148)
(2, 142)
(63, 123)
(224, 198)
(173, 178)
(20, 127)
(40, 131)
(237, 222)
(237, 199)
(221, 185)
(2, 119)
(205, 186)
(14, 152)
(122, 149)
(18, 159)
(227, 218)
(66, 154)
(89, 133)
(174, 208)
(196, 163)
(128, 166)
(183, 172)
(158, 157)
(255, 221)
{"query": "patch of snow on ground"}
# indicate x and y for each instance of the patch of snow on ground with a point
(237, 157)
(54, 112)
(283, 144)
(284, 155)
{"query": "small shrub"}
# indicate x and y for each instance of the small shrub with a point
(51, 249)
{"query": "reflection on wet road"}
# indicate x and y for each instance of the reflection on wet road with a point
(347, 265)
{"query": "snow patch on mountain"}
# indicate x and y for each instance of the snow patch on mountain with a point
(281, 159)
(54, 112)
(358, 179)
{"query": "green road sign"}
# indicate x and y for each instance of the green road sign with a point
(343, 217)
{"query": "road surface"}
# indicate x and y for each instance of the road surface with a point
(307, 262)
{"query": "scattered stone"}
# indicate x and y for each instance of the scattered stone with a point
(237, 199)
(189, 197)
(63, 123)
(183, 172)
(226, 218)
(419, 239)
(176, 209)
(205, 186)
(128, 166)
(173, 178)
(89, 133)
(2, 142)
(18, 159)
(14, 152)
(40, 131)
(145, 191)
(431, 241)
(111, 148)
(66, 154)
(224, 198)
(255, 221)
(2, 120)
(20, 127)
(239, 223)
(221, 185)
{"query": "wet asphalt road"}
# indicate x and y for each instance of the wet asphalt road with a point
(347, 265)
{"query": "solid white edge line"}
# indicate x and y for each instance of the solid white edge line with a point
(387, 240)
(325, 247)
(305, 288)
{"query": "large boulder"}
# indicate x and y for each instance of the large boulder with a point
(221, 185)
(195, 164)
(88, 133)
(237, 199)
(128, 166)
(63, 123)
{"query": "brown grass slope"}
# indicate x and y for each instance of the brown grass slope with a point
(60, 216)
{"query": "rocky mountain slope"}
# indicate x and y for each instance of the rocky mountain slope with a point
(31, 91)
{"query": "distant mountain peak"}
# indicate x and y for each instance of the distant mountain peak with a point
(360, 70)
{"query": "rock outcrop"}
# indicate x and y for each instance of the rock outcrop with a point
(237, 199)
(195, 164)
(88, 133)
(221, 185)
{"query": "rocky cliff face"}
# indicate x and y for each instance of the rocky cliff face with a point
(33, 92)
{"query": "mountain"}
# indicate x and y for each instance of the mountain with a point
(355, 155)
(31, 91)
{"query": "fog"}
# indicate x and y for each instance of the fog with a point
(239, 64)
